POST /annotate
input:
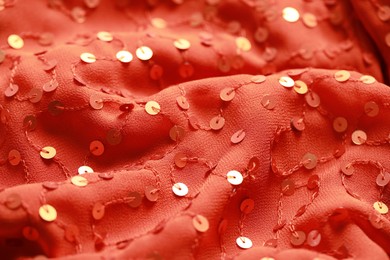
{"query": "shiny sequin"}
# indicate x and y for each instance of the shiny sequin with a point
(176, 133)
(234, 177)
(87, 57)
(247, 206)
(11, 90)
(96, 148)
(288, 187)
(13, 201)
(182, 44)
(243, 44)
(238, 136)
(182, 102)
(298, 238)
(342, 75)
(383, 179)
(347, 168)
(180, 160)
(381, 207)
(98, 211)
(310, 20)
(309, 161)
(15, 41)
(216, 123)
(14, 157)
(48, 152)
(84, 169)
(367, 79)
(136, 199)
(340, 124)
(180, 189)
(200, 223)
(244, 242)
(227, 94)
(104, 36)
(290, 14)
(124, 56)
(359, 137)
(300, 87)
(371, 109)
(151, 193)
(144, 53)
(48, 213)
(79, 181)
(268, 102)
(313, 238)
(312, 99)
(96, 102)
(152, 108)
(286, 81)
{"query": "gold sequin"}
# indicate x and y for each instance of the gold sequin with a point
(200, 223)
(381, 207)
(151, 193)
(48, 152)
(286, 81)
(96, 148)
(84, 169)
(124, 56)
(48, 213)
(182, 102)
(182, 44)
(342, 75)
(371, 109)
(359, 137)
(180, 160)
(152, 108)
(268, 102)
(144, 53)
(367, 79)
(96, 102)
(15, 41)
(290, 14)
(180, 189)
(176, 133)
(310, 20)
(243, 44)
(79, 181)
(244, 242)
(13, 201)
(104, 36)
(340, 124)
(234, 177)
(87, 57)
(227, 94)
(238, 136)
(247, 206)
(216, 123)
(14, 157)
(98, 211)
(298, 238)
(300, 87)
(158, 23)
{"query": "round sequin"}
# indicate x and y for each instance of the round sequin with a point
(381, 207)
(359, 137)
(96, 102)
(288, 187)
(312, 99)
(342, 75)
(104, 36)
(243, 44)
(300, 87)
(50, 185)
(261, 34)
(313, 238)
(186, 70)
(136, 199)
(11, 90)
(79, 181)
(268, 102)
(87, 57)
(238, 136)
(158, 23)
(247, 206)
(253, 164)
(144, 53)
(309, 161)
(48, 152)
(50, 86)
(376, 220)
(48, 213)
(156, 72)
(84, 169)
(180, 189)
(182, 102)
(216, 123)
(371, 109)
(14, 157)
(182, 44)
(180, 160)
(383, 179)
(310, 20)
(30, 233)
(124, 56)
(367, 79)
(96, 148)
(35, 95)
(151, 193)
(46, 39)
(340, 124)
(50, 65)
(298, 238)
(234, 177)
(98, 211)
(114, 136)
(176, 133)
(200, 223)
(258, 78)
(152, 108)
(227, 94)
(30, 123)
(298, 124)
(244, 242)
(347, 168)
(313, 182)
(13, 201)
(290, 14)
(384, 13)
(55, 108)
(286, 81)
(15, 41)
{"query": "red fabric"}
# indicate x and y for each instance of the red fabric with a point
(335, 198)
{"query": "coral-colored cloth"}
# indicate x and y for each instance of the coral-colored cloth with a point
(291, 165)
